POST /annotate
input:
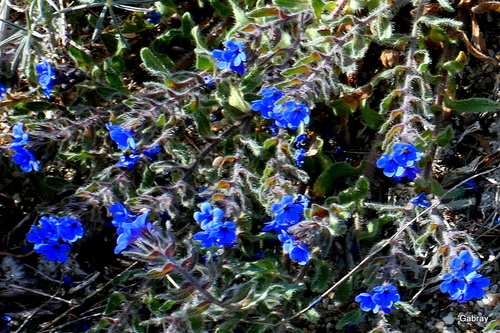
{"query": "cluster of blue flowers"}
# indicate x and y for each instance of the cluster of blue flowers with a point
(45, 77)
(286, 115)
(215, 231)
(126, 142)
(233, 57)
(288, 213)
(129, 226)
(402, 163)
(464, 283)
(52, 234)
(381, 298)
(421, 201)
(23, 157)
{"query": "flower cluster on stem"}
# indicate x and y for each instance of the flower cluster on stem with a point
(215, 231)
(381, 298)
(288, 114)
(51, 236)
(23, 157)
(402, 163)
(464, 283)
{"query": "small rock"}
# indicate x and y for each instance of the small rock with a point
(449, 319)
(447, 329)
(439, 325)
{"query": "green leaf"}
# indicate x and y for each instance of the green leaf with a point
(236, 99)
(351, 318)
(202, 123)
(327, 179)
(341, 108)
(109, 93)
(492, 325)
(313, 316)
(408, 308)
(372, 118)
(384, 28)
(265, 12)
(296, 70)
(161, 120)
(475, 104)
(56, 182)
(187, 25)
(445, 136)
(223, 8)
(243, 291)
(437, 21)
(446, 5)
(436, 188)
(114, 300)
(297, 5)
(356, 193)
(152, 63)
(227, 326)
(317, 7)
(37, 106)
(344, 292)
(321, 276)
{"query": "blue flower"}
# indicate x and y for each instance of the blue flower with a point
(464, 263)
(45, 77)
(471, 186)
(293, 115)
(55, 251)
(39, 236)
(287, 213)
(69, 229)
(121, 215)
(209, 80)
(25, 159)
(475, 284)
(48, 234)
(128, 161)
(214, 231)
(130, 231)
(288, 210)
(390, 166)
(299, 155)
(452, 284)
(402, 162)
(410, 172)
(302, 200)
(386, 296)
(297, 251)
(20, 138)
(231, 58)
(152, 152)
(267, 103)
(421, 201)
(224, 234)
(154, 17)
(366, 302)
(300, 254)
(382, 298)
(3, 90)
(122, 136)
(300, 140)
(208, 215)
(287, 240)
(406, 154)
